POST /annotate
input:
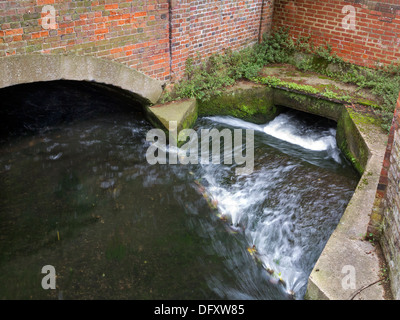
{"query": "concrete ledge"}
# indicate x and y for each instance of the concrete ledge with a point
(184, 112)
(347, 248)
(363, 142)
(308, 103)
(245, 100)
(20, 69)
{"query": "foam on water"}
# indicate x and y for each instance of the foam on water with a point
(288, 128)
(271, 211)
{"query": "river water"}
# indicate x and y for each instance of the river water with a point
(82, 198)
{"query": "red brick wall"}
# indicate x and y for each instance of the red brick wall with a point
(131, 32)
(375, 36)
(267, 12)
(208, 26)
(385, 220)
(138, 33)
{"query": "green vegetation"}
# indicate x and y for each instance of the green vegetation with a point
(384, 274)
(276, 82)
(209, 78)
(204, 79)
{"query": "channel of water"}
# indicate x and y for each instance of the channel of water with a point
(81, 196)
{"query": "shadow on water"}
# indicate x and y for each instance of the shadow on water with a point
(78, 194)
(27, 109)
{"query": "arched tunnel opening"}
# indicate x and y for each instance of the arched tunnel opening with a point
(31, 108)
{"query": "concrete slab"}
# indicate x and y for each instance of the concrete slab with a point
(347, 251)
(184, 112)
(291, 74)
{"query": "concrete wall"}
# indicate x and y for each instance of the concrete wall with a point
(360, 31)
(153, 36)
(385, 219)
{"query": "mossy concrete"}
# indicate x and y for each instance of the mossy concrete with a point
(259, 104)
(19, 69)
(308, 103)
(245, 100)
(347, 245)
(363, 142)
(351, 142)
(321, 82)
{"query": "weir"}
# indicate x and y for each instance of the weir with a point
(363, 145)
(107, 194)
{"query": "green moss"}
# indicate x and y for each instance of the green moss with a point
(361, 119)
(322, 87)
(254, 104)
(324, 77)
(190, 120)
(369, 103)
(297, 74)
(185, 121)
(351, 142)
(356, 164)
(308, 103)
(276, 82)
(364, 121)
(363, 183)
(319, 63)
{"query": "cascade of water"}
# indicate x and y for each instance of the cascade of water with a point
(283, 208)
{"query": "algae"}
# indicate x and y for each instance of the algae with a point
(351, 142)
(254, 104)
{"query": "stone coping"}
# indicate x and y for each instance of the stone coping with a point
(347, 253)
(19, 69)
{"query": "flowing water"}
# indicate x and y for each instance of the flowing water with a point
(82, 197)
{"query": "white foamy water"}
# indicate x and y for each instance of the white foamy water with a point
(270, 229)
(284, 129)
(281, 202)
(289, 129)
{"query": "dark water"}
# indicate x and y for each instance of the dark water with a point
(82, 197)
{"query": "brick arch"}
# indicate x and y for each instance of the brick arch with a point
(21, 69)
